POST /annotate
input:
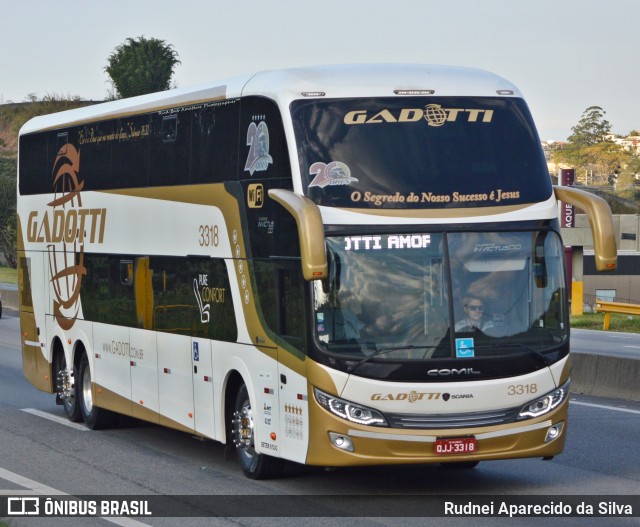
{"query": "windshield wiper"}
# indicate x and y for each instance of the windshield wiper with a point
(546, 361)
(380, 351)
(542, 358)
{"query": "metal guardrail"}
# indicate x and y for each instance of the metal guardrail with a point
(615, 307)
(592, 300)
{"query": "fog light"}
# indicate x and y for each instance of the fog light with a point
(553, 432)
(341, 441)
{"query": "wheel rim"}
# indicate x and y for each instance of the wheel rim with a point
(244, 437)
(87, 395)
(64, 383)
(70, 400)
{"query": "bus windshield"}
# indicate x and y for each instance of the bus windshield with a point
(422, 296)
(419, 152)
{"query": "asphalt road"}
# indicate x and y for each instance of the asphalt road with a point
(607, 343)
(40, 452)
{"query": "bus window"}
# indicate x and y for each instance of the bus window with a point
(383, 291)
(95, 141)
(107, 294)
(280, 288)
(130, 152)
(263, 146)
(530, 262)
(34, 165)
(169, 128)
(214, 143)
(419, 153)
(170, 149)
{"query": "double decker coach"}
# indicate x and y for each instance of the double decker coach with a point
(335, 266)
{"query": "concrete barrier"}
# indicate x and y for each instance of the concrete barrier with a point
(605, 376)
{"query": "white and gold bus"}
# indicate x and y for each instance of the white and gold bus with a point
(334, 266)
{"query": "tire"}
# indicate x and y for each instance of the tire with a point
(71, 406)
(94, 418)
(253, 464)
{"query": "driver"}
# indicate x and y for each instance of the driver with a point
(474, 315)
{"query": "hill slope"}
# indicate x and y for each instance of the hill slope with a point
(14, 115)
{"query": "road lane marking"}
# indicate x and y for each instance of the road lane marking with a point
(615, 408)
(35, 487)
(55, 419)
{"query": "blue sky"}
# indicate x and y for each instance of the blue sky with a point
(565, 55)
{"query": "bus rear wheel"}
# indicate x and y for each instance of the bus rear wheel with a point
(253, 464)
(67, 382)
(94, 418)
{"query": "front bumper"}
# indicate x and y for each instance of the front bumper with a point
(373, 445)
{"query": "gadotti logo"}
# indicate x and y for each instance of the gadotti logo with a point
(65, 228)
(411, 396)
(434, 114)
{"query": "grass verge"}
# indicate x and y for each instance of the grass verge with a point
(8, 275)
(623, 323)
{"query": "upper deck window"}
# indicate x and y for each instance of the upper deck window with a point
(419, 152)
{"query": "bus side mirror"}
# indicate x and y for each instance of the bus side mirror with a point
(310, 232)
(600, 221)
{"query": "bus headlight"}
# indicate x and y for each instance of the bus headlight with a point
(545, 403)
(349, 411)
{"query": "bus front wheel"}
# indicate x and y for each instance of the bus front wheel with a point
(253, 464)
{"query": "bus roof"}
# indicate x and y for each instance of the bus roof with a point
(336, 81)
(380, 80)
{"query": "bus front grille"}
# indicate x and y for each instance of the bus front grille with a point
(462, 420)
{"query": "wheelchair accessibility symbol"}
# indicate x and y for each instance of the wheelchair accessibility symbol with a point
(196, 352)
(464, 348)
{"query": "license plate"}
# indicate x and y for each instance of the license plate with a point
(455, 445)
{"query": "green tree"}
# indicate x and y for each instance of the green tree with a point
(8, 210)
(590, 151)
(627, 185)
(592, 128)
(571, 154)
(140, 66)
(605, 159)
